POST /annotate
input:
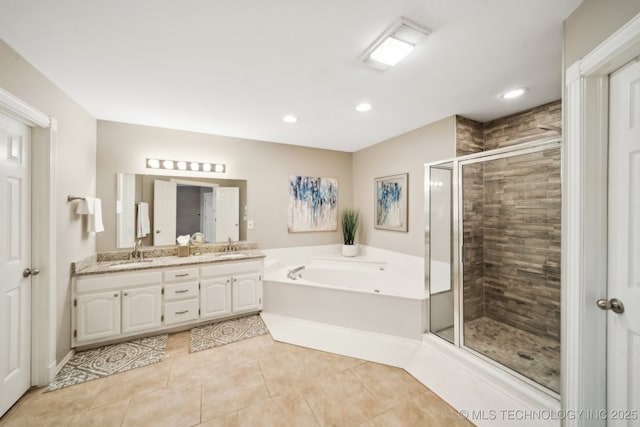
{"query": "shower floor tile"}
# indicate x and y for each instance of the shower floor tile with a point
(537, 358)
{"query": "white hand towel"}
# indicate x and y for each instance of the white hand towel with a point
(95, 220)
(144, 226)
(85, 206)
(92, 207)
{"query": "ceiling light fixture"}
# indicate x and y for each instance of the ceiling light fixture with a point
(290, 119)
(363, 107)
(182, 165)
(513, 93)
(394, 44)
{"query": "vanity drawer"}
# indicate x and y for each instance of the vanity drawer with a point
(180, 291)
(180, 311)
(180, 275)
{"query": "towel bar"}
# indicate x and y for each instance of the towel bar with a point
(72, 198)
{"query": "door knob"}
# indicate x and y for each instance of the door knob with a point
(29, 272)
(614, 304)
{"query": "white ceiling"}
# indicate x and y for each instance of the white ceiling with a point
(235, 67)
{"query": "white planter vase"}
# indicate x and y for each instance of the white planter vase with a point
(350, 250)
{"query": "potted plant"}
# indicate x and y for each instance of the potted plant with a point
(350, 220)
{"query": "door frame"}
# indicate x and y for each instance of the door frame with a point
(43, 234)
(584, 220)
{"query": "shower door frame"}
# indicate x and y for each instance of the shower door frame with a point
(457, 281)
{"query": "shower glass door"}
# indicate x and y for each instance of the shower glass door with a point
(440, 246)
(510, 213)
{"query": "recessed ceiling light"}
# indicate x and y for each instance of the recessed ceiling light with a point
(513, 93)
(363, 107)
(290, 118)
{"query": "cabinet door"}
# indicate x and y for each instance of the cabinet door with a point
(215, 297)
(97, 316)
(247, 292)
(141, 308)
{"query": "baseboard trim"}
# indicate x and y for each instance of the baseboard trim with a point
(63, 362)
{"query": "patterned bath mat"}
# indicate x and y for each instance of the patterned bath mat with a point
(108, 360)
(226, 332)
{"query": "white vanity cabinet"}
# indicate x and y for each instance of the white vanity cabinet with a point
(108, 306)
(247, 292)
(215, 297)
(141, 309)
(230, 288)
(181, 295)
(112, 305)
(97, 316)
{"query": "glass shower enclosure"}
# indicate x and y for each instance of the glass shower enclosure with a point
(493, 257)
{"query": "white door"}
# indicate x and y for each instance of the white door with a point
(623, 329)
(15, 257)
(164, 212)
(97, 316)
(215, 297)
(227, 213)
(208, 218)
(247, 292)
(141, 309)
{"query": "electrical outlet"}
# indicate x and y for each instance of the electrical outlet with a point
(250, 224)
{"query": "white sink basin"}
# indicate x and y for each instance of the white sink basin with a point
(131, 264)
(232, 255)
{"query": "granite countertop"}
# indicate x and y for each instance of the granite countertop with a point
(101, 267)
(164, 256)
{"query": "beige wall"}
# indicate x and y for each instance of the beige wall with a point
(404, 153)
(266, 167)
(592, 23)
(75, 171)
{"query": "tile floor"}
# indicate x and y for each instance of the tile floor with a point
(537, 358)
(255, 382)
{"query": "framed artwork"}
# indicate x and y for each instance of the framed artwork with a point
(313, 204)
(390, 210)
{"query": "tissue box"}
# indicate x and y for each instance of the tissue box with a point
(183, 250)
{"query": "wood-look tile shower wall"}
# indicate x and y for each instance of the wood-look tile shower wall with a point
(512, 213)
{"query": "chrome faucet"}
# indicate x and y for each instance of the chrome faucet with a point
(292, 273)
(137, 250)
(230, 246)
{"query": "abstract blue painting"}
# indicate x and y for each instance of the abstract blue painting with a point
(391, 202)
(313, 204)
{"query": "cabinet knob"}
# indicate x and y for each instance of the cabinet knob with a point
(126, 294)
(115, 295)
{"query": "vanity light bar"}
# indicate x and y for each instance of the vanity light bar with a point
(183, 165)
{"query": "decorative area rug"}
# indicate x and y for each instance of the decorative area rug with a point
(226, 332)
(108, 360)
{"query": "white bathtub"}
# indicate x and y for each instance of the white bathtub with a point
(378, 291)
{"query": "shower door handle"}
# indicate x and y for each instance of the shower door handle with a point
(614, 304)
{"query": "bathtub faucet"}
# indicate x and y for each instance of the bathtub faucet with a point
(291, 274)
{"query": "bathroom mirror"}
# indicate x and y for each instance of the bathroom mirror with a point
(157, 209)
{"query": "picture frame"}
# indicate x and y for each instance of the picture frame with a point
(391, 202)
(313, 204)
